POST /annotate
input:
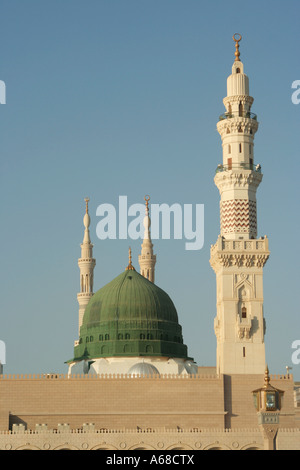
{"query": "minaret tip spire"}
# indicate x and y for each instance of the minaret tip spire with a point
(86, 265)
(87, 199)
(147, 199)
(130, 267)
(147, 259)
(237, 38)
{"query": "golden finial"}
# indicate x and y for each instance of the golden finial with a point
(267, 376)
(87, 204)
(237, 38)
(147, 199)
(130, 267)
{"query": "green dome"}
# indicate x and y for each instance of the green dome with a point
(130, 316)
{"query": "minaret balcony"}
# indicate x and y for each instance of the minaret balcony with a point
(246, 114)
(239, 253)
(244, 327)
(239, 166)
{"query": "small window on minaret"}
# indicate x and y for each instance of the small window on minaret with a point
(244, 351)
(240, 110)
(238, 70)
(244, 312)
(240, 148)
(229, 148)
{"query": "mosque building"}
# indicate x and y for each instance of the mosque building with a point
(131, 384)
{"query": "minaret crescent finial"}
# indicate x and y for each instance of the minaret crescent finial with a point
(87, 199)
(147, 199)
(237, 38)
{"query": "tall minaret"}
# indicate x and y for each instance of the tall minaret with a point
(86, 265)
(147, 259)
(238, 256)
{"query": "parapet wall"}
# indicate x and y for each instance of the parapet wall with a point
(155, 439)
(121, 402)
(112, 401)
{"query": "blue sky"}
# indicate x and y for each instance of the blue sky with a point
(122, 97)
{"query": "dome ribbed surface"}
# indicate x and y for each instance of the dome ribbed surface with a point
(130, 316)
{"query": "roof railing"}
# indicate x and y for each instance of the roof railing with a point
(246, 114)
(239, 166)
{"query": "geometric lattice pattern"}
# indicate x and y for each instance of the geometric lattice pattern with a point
(238, 216)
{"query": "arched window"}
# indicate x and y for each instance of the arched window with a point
(120, 336)
(244, 312)
(127, 336)
(238, 70)
(100, 337)
(240, 110)
(106, 337)
(142, 336)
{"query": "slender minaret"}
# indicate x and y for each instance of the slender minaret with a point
(238, 256)
(86, 265)
(147, 259)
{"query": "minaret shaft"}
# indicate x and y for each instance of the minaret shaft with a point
(238, 178)
(147, 259)
(238, 256)
(86, 265)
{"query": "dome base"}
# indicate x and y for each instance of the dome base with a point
(122, 366)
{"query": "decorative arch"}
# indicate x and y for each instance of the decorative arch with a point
(243, 289)
(216, 446)
(141, 446)
(65, 447)
(253, 446)
(104, 447)
(28, 447)
(179, 446)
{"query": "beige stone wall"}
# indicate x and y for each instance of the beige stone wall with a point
(154, 413)
(239, 401)
(242, 439)
(113, 402)
(157, 439)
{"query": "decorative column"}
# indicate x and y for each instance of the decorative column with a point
(86, 265)
(147, 259)
(239, 256)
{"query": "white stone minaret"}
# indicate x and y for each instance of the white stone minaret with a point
(86, 265)
(147, 259)
(238, 256)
